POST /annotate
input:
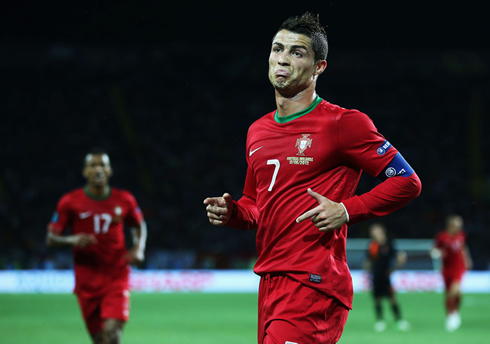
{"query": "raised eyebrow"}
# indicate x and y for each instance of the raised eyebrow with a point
(298, 46)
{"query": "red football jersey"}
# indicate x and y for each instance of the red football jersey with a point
(324, 147)
(452, 247)
(102, 265)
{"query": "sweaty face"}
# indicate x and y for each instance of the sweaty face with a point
(292, 66)
(97, 169)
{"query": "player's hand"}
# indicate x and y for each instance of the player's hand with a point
(327, 216)
(219, 209)
(83, 240)
(135, 256)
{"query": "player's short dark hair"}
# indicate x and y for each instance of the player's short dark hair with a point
(309, 25)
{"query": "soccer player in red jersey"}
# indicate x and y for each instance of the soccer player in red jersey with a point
(450, 245)
(304, 163)
(96, 215)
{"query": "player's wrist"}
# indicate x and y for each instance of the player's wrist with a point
(346, 212)
(234, 212)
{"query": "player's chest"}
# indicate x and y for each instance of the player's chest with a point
(298, 150)
(454, 244)
(98, 216)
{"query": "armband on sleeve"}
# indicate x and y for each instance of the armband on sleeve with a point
(398, 166)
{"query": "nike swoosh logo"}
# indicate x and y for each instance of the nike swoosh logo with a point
(85, 214)
(251, 152)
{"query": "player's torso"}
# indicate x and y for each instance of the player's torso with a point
(453, 246)
(102, 218)
(381, 256)
(287, 158)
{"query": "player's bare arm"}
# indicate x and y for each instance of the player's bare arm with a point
(467, 258)
(401, 259)
(219, 209)
(78, 240)
(136, 255)
(327, 216)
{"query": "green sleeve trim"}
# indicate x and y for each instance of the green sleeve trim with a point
(298, 114)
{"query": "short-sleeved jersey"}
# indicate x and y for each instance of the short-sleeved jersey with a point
(452, 247)
(325, 147)
(102, 265)
(381, 257)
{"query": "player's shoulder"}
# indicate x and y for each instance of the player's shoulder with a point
(122, 193)
(341, 113)
(263, 120)
(72, 195)
(441, 234)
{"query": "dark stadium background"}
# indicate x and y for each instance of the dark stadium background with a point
(170, 88)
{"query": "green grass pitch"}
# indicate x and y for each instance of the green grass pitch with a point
(229, 318)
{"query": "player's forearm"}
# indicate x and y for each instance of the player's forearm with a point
(387, 197)
(245, 214)
(467, 259)
(53, 240)
(139, 237)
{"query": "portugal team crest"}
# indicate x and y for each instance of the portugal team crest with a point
(302, 143)
(117, 213)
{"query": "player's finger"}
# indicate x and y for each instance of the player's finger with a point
(227, 197)
(215, 216)
(325, 227)
(211, 200)
(308, 214)
(91, 239)
(319, 198)
(216, 222)
(220, 210)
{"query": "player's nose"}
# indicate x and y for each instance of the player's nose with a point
(283, 59)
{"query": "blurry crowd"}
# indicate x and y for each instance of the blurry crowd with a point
(174, 121)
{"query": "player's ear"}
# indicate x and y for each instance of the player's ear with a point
(321, 65)
(85, 172)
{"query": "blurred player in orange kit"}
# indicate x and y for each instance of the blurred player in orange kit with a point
(96, 215)
(304, 163)
(450, 245)
(382, 260)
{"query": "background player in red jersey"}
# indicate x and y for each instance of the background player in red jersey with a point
(96, 215)
(382, 260)
(304, 162)
(450, 245)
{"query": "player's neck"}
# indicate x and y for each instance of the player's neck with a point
(97, 191)
(289, 105)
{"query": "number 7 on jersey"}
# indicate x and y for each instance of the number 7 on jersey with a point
(276, 170)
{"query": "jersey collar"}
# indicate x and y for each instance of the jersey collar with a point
(97, 198)
(297, 114)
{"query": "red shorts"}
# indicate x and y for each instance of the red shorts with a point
(110, 306)
(292, 313)
(452, 276)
